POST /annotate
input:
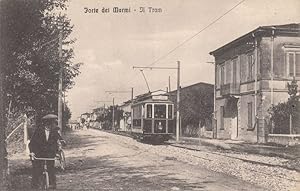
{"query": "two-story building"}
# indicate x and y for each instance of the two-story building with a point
(251, 75)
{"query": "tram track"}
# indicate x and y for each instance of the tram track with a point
(241, 159)
(218, 154)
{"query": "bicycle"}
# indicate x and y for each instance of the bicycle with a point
(45, 182)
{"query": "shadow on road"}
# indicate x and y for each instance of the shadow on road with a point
(106, 174)
(100, 172)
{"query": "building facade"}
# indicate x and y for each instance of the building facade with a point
(251, 75)
(125, 121)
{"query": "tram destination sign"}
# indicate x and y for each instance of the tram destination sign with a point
(160, 97)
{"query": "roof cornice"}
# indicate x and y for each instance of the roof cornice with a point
(276, 30)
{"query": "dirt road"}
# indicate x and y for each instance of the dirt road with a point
(98, 160)
(101, 161)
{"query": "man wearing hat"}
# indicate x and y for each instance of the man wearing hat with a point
(44, 144)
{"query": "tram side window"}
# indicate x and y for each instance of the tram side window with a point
(170, 112)
(137, 110)
(160, 111)
(149, 111)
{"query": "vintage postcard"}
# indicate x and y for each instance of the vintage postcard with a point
(155, 95)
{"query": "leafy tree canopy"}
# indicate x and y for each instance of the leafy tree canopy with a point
(196, 106)
(29, 51)
(281, 113)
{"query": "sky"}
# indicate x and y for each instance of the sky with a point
(110, 44)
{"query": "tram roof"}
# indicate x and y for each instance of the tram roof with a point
(153, 101)
(160, 96)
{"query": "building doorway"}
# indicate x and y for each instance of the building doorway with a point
(234, 127)
(232, 107)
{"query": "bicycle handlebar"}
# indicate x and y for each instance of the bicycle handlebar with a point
(49, 159)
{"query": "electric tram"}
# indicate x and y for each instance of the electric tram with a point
(153, 117)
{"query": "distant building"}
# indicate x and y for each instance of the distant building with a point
(73, 124)
(125, 120)
(251, 75)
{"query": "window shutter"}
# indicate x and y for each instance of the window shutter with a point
(250, 115)
(291, 64)
(297, 64)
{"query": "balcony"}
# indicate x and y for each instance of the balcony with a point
(230, 89)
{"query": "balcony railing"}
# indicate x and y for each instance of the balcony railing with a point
(230, 89)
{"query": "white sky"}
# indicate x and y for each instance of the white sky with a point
(110, 44)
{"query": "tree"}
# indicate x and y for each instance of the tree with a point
(29, 59)
(196, 107)
(106, 116)
(29, 41)
(283, 113)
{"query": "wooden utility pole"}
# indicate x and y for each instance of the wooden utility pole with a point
(170, 84)
(3, 153)
(214, 114)
(59, 105)
(25, 128)
(113, 111)
(131, 111)
(178, 102)
(113, 115)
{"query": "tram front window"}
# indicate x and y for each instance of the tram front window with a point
(160, 111)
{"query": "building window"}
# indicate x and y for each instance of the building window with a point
(218, 77)
(293, 64)
(250, 117)
(250, 63)
(137, 112)
(228, 71)
(222, 77)
(222, 118)
(234, 69)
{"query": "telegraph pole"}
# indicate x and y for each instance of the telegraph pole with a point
(178, 91)
(59, 110)
(3, 154)
(113, 111)
(178, 101)
(214, 114)
(113, 115)
(131, 111)
(170, 84)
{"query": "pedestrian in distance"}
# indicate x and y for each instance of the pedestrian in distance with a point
(44, 144)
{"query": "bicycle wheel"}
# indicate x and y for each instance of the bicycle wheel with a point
(62, 160)
(45, 182)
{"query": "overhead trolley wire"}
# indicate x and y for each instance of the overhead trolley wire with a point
(190, 38)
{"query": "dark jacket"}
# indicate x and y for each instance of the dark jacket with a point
(41, 147)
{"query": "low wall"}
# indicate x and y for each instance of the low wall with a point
(284, 139)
